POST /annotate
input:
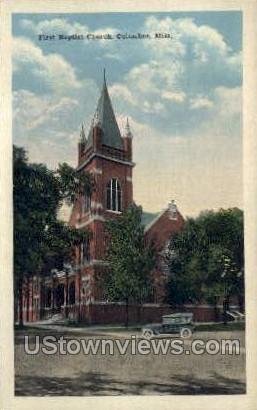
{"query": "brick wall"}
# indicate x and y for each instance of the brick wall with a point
(116, 313)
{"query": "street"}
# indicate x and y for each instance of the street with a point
(83, 375)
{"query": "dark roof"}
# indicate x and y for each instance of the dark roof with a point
(107, 121)
(148, 217)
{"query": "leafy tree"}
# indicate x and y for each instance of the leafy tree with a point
(130, 259)
(72, 183)
(41, 241)
(206, 259)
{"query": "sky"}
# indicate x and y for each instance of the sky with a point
(182, 96)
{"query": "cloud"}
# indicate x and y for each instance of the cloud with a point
(52, 69)
(179, 75)
(178, 97)
(155, 76)
(186, 34)
(225, 116)
(31, 110)
(41, 125)
(55, 25)
(148, 87)
(200, 102)
(229, 100)
(122, 91)
(206, 57)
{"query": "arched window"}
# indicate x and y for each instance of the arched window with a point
(113, 195)
(72, 293)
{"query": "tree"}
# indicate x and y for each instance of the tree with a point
(206, 259)
(41, 241)
(130, 259)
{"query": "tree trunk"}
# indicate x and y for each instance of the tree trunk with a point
(79, 296)
(127, 313)
(66, 296)
(139, 309)
(20, 304)
(27, 296)
(53, 295)
(16, 310)
(216, 312)
(225, 309)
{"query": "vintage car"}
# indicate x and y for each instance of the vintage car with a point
(181, 323)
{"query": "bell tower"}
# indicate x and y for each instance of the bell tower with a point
(107, 155)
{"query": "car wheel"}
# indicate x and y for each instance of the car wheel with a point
(148, 333)
(185, 332)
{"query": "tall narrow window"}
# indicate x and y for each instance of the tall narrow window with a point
(85, 252)
(113, 202)
(48, 297)
(72, 293)
(86, 204)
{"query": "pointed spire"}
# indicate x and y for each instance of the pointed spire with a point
(82, 135)
(127, 130)
(105, 117)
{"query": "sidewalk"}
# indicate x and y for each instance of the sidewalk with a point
(96, 330)
(93, 330)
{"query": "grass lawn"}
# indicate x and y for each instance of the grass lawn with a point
(215, 327)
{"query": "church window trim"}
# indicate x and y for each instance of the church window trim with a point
(114, 196)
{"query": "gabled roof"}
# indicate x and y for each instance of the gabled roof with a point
(107, 121)
(163, 226)
(155, 219)
(148, 217)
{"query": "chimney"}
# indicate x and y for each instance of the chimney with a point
(173, 210)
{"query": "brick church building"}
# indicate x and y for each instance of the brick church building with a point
(107, 154)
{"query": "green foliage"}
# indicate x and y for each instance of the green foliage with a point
(206, 259)
(41, 241)
(71, 183)
(130, 259)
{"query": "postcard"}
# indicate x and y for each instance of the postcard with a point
(129, 225)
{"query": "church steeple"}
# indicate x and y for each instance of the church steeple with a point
(106, 121)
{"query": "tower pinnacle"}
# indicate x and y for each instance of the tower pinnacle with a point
(96, 119)
(82, 134)
(127, 133)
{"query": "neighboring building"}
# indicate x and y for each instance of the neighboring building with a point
(77, 292)
(159, 230)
